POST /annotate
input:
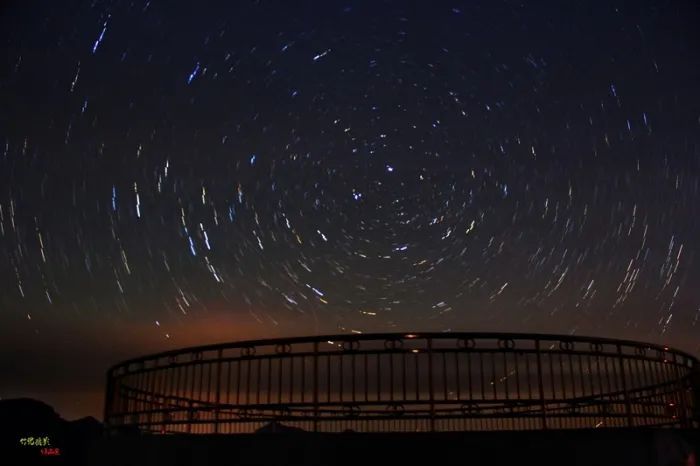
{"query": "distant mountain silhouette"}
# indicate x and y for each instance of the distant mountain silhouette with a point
(276, 427)
(25, 417)
(28, 416)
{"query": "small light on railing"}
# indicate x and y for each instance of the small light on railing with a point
(411, 335)
(415, 351)
(665, 348)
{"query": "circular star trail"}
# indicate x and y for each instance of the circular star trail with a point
(348, 167)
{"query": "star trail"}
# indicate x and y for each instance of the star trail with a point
(177, 173)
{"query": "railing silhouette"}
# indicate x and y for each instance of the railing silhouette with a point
(407, 382)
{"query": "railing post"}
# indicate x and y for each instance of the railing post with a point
(153, 390)
(430, 385)
(695, 394)
(628, 406)
(540, 383)
(681, 391)
(190, 417)
(108, 401)
(315, 386)
(218, 391)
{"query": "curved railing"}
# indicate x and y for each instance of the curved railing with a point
(406, 382)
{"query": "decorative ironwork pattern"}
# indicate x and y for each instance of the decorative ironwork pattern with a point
(407, 382)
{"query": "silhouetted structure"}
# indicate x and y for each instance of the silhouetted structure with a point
(406, 382)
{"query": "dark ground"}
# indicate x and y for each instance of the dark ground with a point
(82, 442)
(613, 447)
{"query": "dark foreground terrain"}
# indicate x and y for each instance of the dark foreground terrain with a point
(83, 443)
(31, 432)
(618, 447)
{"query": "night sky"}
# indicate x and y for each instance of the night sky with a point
(174, 173)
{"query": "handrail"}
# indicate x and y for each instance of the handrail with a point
(393, 335)
(450, 381)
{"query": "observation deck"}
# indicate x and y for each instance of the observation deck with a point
(406, 382)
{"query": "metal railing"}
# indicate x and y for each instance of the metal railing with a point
(406, 382)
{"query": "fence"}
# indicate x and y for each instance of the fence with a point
(406, 382)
